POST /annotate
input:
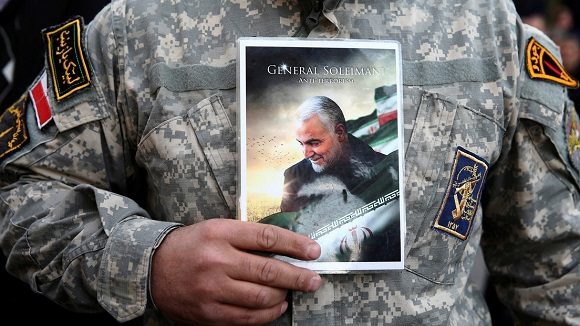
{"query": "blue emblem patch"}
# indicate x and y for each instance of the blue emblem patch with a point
(462, 196)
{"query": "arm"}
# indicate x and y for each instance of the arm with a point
(65, 228)
(73, 226)
(531, 234)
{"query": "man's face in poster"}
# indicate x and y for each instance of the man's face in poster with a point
(323, 147)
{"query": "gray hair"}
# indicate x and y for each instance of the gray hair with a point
(327, 110)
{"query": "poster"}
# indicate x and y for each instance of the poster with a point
(321, 146)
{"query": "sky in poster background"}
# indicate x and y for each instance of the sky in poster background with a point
(271, 101)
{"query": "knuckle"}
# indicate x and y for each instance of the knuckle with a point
(205, 259)
(300, 281)
(205, 311)
(247, 265)
(262, 298)
(210, 261)
(248, 318)
(268, 272)
(267, 237)
(210, 229)
(205, 290)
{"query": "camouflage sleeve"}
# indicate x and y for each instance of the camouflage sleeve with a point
(67, 224)
(531, 237)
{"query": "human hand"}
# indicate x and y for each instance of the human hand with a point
(204, 274)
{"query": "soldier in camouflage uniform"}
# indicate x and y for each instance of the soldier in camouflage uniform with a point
(104, 206)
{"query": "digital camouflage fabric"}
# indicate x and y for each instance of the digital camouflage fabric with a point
(149, 145)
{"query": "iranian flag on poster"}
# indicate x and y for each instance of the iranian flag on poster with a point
(379, 129)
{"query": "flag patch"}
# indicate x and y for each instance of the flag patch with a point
(66, 58)
(39, 97)
(13, 133)
(463, 193)
(541, 64)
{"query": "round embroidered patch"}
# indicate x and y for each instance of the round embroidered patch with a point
(573, 135)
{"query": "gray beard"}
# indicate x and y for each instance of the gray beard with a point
(317, 168)
(360, 169)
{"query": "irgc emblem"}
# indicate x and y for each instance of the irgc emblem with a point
(573, 135)
(462, 196)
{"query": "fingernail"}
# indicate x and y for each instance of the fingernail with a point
(313, 251)
(314, 283)
(284, 307)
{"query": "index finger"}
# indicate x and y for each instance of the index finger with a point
(274, 239)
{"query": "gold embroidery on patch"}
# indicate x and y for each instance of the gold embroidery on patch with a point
(464, 190)
(69, 69)
(14, 136)
(541, 64)
(573, 136)
(459, 205)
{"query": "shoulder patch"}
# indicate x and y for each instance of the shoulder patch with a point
(66, 58)
(13, 133)
(541, 64)
(459, 206)
(573, 138)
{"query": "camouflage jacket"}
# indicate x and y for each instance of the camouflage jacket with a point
(143, 141)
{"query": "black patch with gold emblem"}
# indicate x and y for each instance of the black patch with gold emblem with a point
(13, 133)
(66, 58)
(463, 194)
(541, 64)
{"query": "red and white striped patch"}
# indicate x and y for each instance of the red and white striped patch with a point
(39, 97)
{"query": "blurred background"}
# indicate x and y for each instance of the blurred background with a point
(22, 58)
